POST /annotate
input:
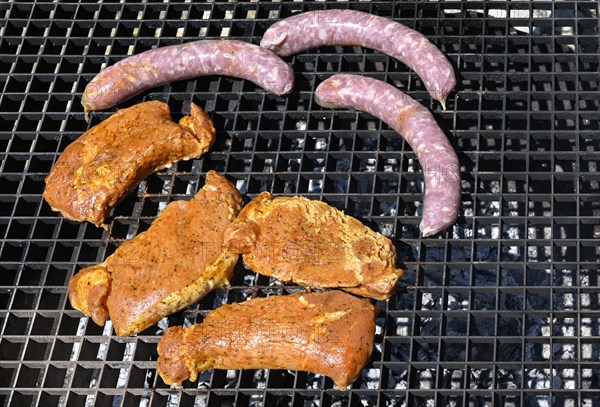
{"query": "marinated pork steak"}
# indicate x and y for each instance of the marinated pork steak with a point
(98, 169)
(174, 263)
(308, 242)
(330, 333)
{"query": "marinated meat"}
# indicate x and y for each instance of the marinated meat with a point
(308, 242)
(98, 169)
(330, 333)
(174, 263)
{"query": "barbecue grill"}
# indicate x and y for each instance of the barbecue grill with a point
(500, 310)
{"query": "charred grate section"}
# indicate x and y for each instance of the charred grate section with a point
(500, 310)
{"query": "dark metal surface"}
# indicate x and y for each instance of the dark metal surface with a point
(500, 310)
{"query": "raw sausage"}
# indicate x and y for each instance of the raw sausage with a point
(138, 73)
(417, 125)
(350, 27)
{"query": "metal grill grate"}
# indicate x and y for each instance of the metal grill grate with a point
(500, 310)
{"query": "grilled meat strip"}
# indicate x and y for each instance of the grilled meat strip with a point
(330, 333)
(98, 169)
(174, 263)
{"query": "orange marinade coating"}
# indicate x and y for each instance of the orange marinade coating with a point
(97, 170)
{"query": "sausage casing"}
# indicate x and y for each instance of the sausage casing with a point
(350, 27)
(141, 72)
(418, 126)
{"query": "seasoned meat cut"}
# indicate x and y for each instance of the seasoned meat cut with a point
(138, 73)
(174, 263)
(317, 28)
(310, 243)
(330, 333)
(98, 169)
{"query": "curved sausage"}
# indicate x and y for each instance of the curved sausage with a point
(417, 125)
(350, 27)
(138, 73)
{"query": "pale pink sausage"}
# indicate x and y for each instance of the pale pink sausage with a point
(350, 27)
(417, 125)
(155, 67)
